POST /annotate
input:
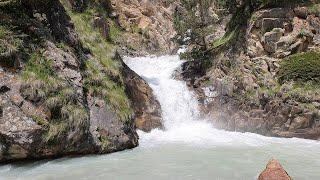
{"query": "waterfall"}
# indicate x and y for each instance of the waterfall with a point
(180, 110)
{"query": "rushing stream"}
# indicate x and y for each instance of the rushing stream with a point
(188, 148)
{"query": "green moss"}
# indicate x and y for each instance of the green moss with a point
(93, 40)
(224, 40)
(115, 32)
(306, 92)
(41, 121)
(55, 131)
(38, 67)
(3, 32)
(276, 3)
(301, 67)
(315, 9)
(64, 47)
(113, 93)
(57, 95)
(62, 97)
(6, 3)
(77, 116)
(105, 143)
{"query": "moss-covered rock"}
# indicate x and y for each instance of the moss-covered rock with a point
(301, 67)
(68, 89)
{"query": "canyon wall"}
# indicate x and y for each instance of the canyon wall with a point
(261, 76)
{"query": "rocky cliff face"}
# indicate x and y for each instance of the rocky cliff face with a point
(244, 88)
(62, 92)
(148, 25)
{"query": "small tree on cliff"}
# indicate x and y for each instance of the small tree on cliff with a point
(194, 16)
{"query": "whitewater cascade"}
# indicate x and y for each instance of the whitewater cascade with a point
(180, 109)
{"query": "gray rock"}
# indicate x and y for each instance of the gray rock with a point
(270, 23)
(270, 39)
(147, 108)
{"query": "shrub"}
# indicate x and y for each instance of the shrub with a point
(10, 44)
(301, 67)
(315, 9)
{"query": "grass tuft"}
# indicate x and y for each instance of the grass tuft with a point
(224, 40)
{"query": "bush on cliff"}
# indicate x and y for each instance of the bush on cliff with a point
(301, 67)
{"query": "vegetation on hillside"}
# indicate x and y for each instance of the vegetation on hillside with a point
(301, 67)
(195, 19)
(102, 72)
(42, 85)
(25, 37)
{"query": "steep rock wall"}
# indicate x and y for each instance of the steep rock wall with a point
(62, 92)
(148, 25)
(241, 91)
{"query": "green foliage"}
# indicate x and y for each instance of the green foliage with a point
(224, 40)
(93, 40)
(113, 93)
(55, 131)
(9, 42)
(115, 32)
(102, 72)
(40, 120)
(41, 81)
(314, 9)
(105, 142)
(277, 3)
(6, 3)
(77, 117)
(306, 92)
(301, 67)
(38, 67)
(194, 19)
(221, 3)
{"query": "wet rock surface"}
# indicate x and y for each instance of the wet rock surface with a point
(274, 171)
(147, 108)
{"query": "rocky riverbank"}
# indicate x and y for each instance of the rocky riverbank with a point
(63, 89)
(249, 85)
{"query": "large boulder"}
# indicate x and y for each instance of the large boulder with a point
(48, 106)
(146, 106)
(274, 171)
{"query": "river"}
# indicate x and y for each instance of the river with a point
(189, 148)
